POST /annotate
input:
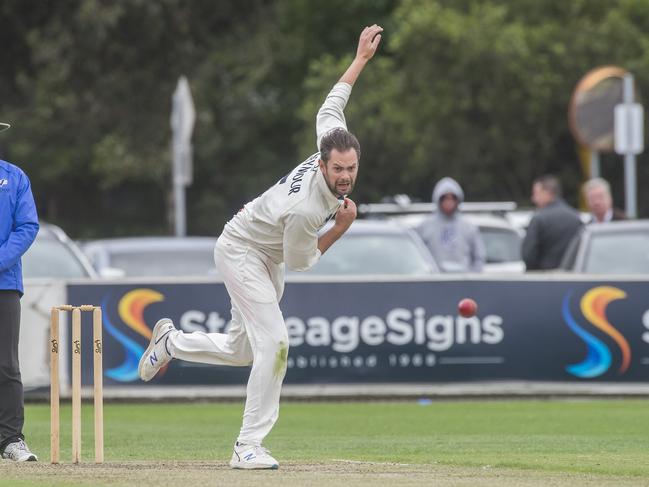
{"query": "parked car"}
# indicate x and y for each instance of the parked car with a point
(152, 256)
(620, 247)
(502, 241)
(375, 247)
(520, 218)
(54, 255)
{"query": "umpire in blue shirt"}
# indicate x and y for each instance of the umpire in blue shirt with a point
(18, 228)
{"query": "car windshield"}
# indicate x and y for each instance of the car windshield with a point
(165, 262)
(618, 253)
(372, 254)
(49, 257)
(501, 245)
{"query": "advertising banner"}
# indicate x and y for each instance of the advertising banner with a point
(371, 332)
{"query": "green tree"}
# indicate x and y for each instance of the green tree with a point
(88, 84)
(479, 91)
(473, 89)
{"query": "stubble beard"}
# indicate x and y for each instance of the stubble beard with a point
(334, 189)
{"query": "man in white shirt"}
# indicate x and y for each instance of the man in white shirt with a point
(280, 226)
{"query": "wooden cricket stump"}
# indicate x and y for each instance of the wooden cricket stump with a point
(98, 393)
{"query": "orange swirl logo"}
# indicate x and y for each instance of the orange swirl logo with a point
(131, 311)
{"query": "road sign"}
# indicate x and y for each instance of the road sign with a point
(591, 107)
(629, 128)
(183, 116)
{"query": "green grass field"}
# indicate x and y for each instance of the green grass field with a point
(582, 442)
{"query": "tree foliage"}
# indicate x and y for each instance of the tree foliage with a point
(477, 90)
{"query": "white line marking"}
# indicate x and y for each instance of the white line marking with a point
(471, 360)
(360, 462)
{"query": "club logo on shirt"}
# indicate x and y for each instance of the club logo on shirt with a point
(298, 174)
(4, 185)
(449, 236)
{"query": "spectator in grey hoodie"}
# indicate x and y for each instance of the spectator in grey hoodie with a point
(455, 242)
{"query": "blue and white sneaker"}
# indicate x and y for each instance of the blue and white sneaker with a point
(252, 457)
(157, 353)
(18, 451)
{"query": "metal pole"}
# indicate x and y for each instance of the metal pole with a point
(179, 207)
(630, 185)
(594, 164)
(629, 159)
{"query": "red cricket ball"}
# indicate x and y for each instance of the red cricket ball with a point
(467, 307)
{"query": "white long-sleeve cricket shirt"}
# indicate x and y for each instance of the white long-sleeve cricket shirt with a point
(283, 222)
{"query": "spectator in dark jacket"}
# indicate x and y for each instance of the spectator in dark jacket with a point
(18, 228)
(552, 227)
(597, 193)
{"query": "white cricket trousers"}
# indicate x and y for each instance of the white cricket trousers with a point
(257, 334)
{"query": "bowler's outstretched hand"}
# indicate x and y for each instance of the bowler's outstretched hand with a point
(369, 42)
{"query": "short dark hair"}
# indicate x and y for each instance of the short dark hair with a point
(341, 140)
(550, 183)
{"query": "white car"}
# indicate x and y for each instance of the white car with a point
(152, 256)
(520, 218)
(54, 255)
(375, 247)
(502, 238)
(502, 241)
(619, 247)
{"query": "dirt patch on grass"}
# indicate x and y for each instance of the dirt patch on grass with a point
(337, 473)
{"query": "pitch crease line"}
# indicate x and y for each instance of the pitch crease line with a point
(361, 462)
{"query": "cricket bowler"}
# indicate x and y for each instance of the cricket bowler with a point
(278, 228)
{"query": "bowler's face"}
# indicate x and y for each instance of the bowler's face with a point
(340, 172)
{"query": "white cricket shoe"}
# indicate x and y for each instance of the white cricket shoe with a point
(252, 457)
(18, 451)
(157, 353)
